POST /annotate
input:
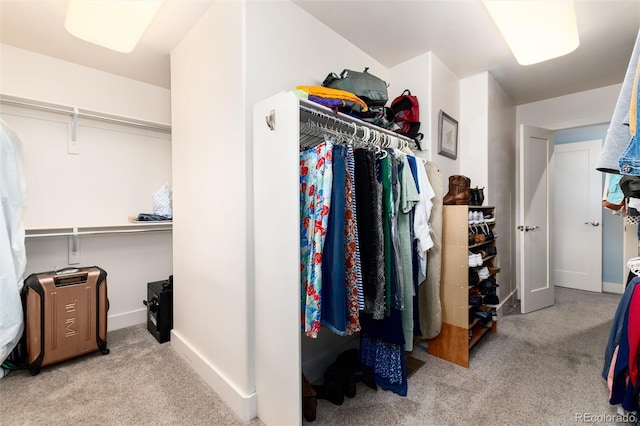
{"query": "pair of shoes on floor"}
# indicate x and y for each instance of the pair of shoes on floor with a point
(309, 401)
(341, 376)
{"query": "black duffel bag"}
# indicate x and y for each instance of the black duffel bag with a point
(371, 89)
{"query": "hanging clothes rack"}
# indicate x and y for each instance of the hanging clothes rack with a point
(340, 124)
(77, 113)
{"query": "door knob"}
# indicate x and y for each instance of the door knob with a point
(593, 223)
(527, 228)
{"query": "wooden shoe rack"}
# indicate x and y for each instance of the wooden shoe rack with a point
(459, 335)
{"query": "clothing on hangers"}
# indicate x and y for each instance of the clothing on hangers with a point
(360, 244)
(621, 354)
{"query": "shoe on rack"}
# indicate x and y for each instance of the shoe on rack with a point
(473, 260)
(483, 315)
(483, 273)
(473, 196)
(473, 277)
(475, 301)
(480, 195)
(491, 300)
(488, 282)
(458, 191)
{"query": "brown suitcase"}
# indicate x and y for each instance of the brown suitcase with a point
(65, 315)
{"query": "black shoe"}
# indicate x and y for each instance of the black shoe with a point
(349, 387)
(475, 301)
(473, 197)
(366, 376)
(483, 315)
(491, 299)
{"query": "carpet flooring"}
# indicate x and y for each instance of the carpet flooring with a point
(541, 368)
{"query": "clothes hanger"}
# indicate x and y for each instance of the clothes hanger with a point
(634, 265)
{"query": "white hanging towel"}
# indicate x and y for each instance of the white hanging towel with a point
(13, 257)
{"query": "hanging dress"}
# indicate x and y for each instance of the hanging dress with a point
(370, 219)
(355, 237)
(353, 278)
(334, 291)
(315, 198)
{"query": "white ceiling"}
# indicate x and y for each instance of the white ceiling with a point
(459, 32)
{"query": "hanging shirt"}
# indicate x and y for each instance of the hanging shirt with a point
(421, 221)
(408, 198)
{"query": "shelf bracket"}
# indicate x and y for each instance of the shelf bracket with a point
(74, 247)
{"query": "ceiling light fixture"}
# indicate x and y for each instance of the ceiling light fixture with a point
(536, 31)
(116, 25)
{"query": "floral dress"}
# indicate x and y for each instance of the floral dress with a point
(316, 177)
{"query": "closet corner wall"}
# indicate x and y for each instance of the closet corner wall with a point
(277, 258)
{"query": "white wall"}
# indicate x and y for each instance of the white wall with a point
(234, 58)
(415, 75)
(487, 151)
(445, 96)
(301, 52)
(211, 295)
(437, 88)
(501, 171)
(131, 261)
(75, 85)
(578, 109)
(473, 143)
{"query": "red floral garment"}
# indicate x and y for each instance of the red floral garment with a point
(316, 178)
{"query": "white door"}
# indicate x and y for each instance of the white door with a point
(577, 241)
(534, 257)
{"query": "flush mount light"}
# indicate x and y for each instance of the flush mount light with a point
(114, 24)
(536, 30)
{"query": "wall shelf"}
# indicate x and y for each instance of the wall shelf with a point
(123, 228)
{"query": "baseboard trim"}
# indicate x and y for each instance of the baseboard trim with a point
(244, 405)
(616, 288)
(505, 301)
(126, 319)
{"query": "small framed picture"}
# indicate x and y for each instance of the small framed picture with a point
(447, 136)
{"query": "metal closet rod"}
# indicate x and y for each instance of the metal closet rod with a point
(316, 109)
(87, 114)
(115, 231)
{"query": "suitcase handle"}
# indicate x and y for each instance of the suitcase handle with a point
(70, 280)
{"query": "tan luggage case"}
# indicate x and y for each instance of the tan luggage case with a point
(65, 315)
